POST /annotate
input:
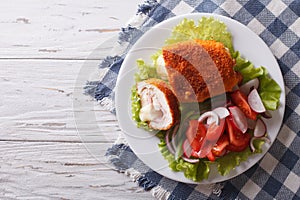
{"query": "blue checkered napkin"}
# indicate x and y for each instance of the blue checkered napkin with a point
(277, 174)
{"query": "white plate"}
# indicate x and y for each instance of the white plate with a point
(143, 143)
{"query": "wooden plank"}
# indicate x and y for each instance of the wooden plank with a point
(47, 170)
(60, 28)
(43, 48)
(42, 155)
(37, 102)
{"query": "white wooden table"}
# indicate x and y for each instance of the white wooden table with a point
(43, 47)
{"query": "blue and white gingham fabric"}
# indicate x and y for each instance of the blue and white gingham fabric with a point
(276, 176)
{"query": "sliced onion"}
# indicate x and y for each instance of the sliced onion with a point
(190, 160)
(266, 114)
(222, 112)
(209, 114)
(255, 102)
(173, 140)
(251, 144)
(246, 87)
(187, 149)
(169, 145)
(260, 128)
(267, 140)
(239, 118)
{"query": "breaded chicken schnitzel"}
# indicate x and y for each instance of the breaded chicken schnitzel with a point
(159, 105)
(198, 70)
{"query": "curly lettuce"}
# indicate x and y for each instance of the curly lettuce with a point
(145, 72)
(269, 90)
(206, 29)
(200, 171)
(194, 171)
(135, 109)
(228, 162)
(246, 68)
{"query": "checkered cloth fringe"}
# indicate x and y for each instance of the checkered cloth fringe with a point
(277, 174)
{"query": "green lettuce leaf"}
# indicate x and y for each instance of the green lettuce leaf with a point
(155, 56)
(257, 143)
(228, 162)
(194, 171)
(200, 171)
(246, 68)
(269, 90)
(145, 72)
(206, 29)
(233, 159)
(135, 109)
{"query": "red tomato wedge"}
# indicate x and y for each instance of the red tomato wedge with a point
(195, 134)
(237, 140)
(220, 147)
(201, 139)
(211, 156)
(213, 134)
(240, 100)
(234, 148)
(195, 154)
(214, 131)
(188, 152)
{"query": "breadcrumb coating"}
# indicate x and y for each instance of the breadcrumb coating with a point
(200, 69)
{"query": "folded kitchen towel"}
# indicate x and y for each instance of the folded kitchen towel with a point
(277, 174)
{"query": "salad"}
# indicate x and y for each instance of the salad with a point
(198, 129)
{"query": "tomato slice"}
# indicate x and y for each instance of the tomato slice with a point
(214, 131)
(238, 141)
(195, 154)
(213, 134)
(234, 148)
(220, 147)
(240, 100)
(201, 139)
(211, 156)
(195, 134)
